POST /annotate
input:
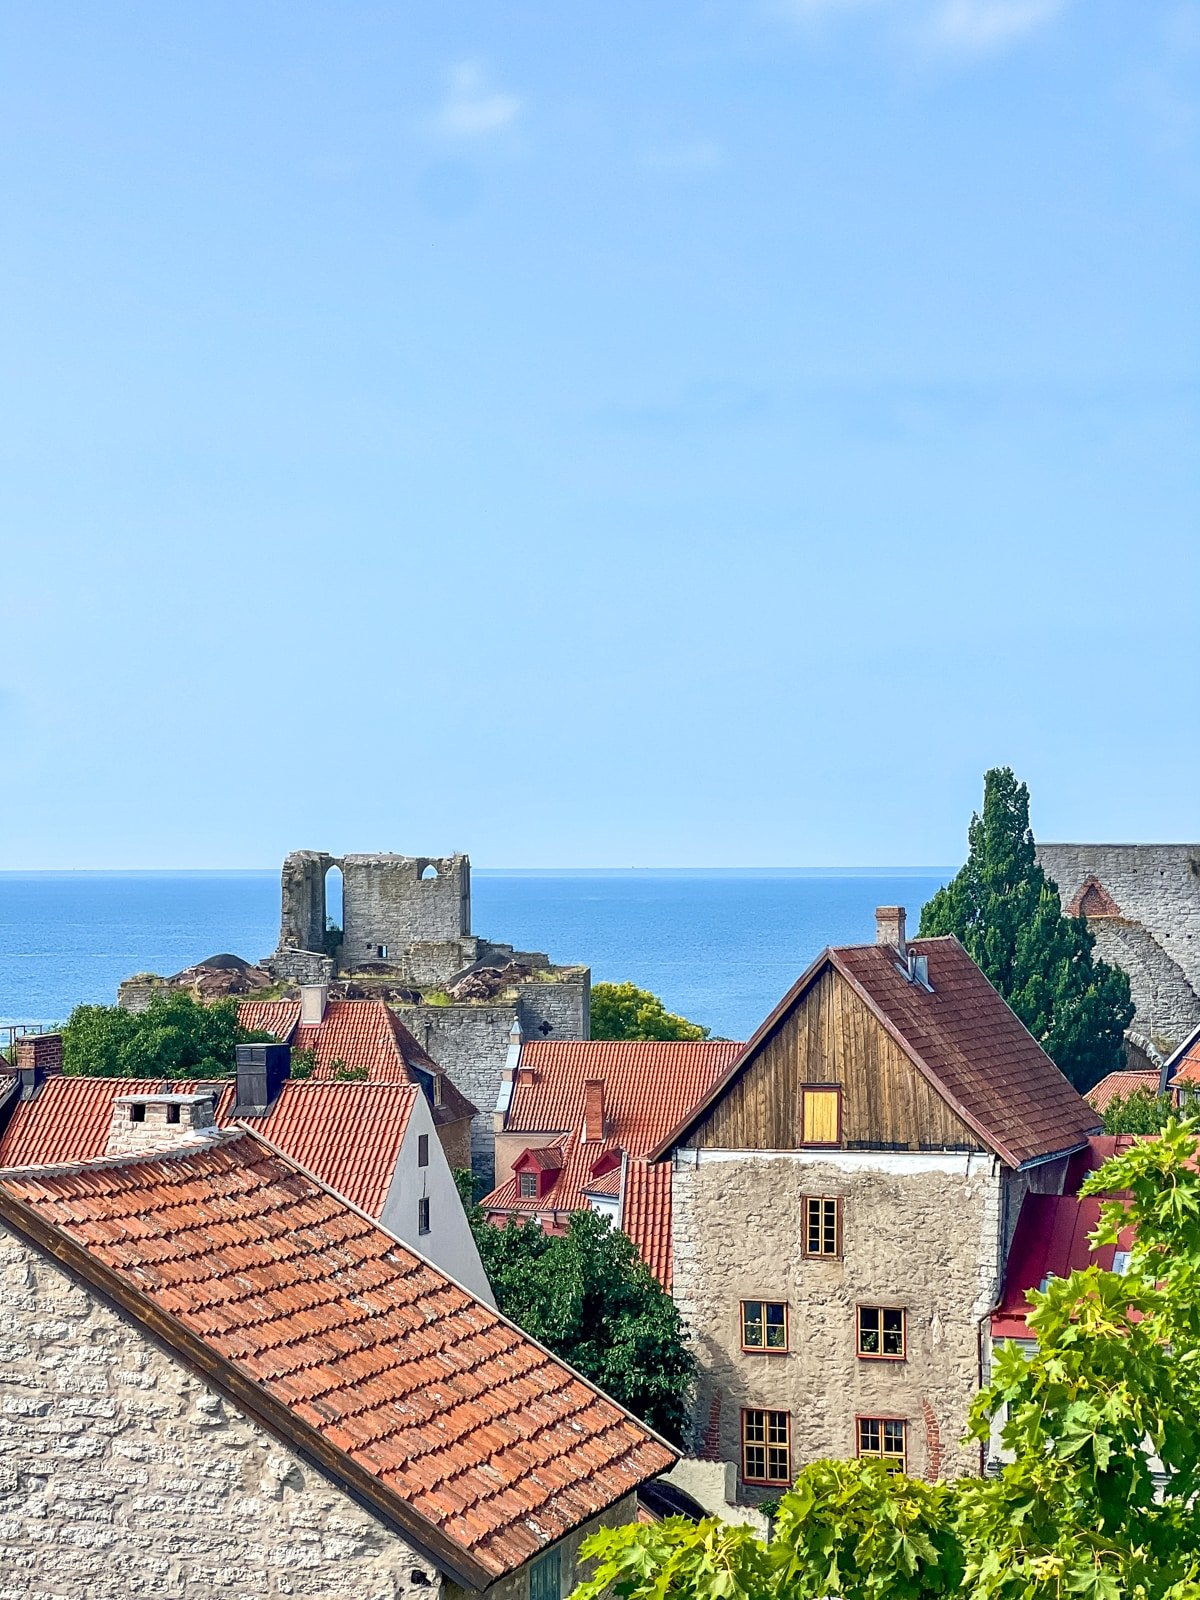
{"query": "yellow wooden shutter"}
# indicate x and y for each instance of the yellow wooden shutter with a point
(821, 1116)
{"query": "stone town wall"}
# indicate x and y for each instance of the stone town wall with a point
(1158, 886)
(124, 1475)
(571, 1569)
(922, 1231)
(386, 902)
(470, 1044)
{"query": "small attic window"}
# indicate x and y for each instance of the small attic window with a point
(137, 1113)
(528, 1185)
(172, 1113)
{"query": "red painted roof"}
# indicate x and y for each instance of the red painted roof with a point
(457, 1423)
(1119, 1086)
(648, 1086)
(1184, 1065)
(363, 1035)
(1051, 1240)
(963, 1038)
(348, 1134)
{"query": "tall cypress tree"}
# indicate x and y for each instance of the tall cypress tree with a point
(1009, 916)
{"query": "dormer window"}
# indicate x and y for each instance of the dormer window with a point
(527, 1185)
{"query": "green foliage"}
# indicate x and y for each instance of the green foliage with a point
(1008, 915)
(341, 1073)
(304, 1063)
(623, 1011)
(1139, 1112)
(589, 1297)
(1110, 1395)
(175, 1037)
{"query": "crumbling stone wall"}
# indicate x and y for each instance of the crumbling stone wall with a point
(1155, 938)
(923, 1231)
(123, 1475)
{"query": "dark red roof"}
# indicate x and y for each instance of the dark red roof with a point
(445, 1417)
(1051, 1240)
(965, 1040)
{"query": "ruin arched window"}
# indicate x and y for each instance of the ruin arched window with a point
(428, 872)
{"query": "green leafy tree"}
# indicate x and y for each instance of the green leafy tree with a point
(1008, 915)
(623, 1011)
(1139, 1112)
(1100, 1427)
(588, 1296)
(175, 1037)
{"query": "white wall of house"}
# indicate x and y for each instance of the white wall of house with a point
(449, 1243)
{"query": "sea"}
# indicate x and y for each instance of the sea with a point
(718, 946)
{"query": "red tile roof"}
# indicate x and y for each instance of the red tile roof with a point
(648, 1086)
(449, 1421)
(1119, 1086)
(962, 1037)
(1184, 1065)
(348, 1134)
(363, 1035)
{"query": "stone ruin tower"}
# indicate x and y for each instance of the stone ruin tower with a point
(410, 914)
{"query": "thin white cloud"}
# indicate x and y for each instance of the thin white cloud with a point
(473, 107)
(978, 26)
(694, 155)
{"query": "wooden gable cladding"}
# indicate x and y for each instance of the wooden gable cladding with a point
(830, 1036)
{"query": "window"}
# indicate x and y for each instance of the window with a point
(764, 1325)
(137, 1113)
(821, 1110)
(172, 1113)
(422, 1149)
(423, 1215)
(528, 1185)
(545, 1577)
(766, 1447)
(881, 1333)
(382, 952)
(884, 1437)
(822, 1227)
(1120, 1262)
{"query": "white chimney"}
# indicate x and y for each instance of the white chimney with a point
(159, 1121)
(314, 997)
(889, 927)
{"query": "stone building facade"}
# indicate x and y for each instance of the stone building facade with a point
(1142, 902)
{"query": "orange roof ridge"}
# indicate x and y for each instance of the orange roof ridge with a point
(186, 1144)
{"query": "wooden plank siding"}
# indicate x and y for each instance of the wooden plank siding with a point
(831, 1037)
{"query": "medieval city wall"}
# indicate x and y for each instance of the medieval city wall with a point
(122, 1474)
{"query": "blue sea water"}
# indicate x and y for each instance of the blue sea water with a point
(718, 946)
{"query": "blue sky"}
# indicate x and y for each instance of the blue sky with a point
(596, 434)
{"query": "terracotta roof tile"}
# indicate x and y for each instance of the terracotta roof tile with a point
(1119, 1086)
(364, 1035)
(648, 1086)
(1184, 1065)
(473, 1427)
(348, 1134)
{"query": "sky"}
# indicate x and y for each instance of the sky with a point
(603, 434)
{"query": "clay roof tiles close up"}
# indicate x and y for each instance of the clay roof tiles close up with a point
(1119, 1086)
(453, 1422)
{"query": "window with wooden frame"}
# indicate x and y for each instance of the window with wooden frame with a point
(422, 1149)
(882, 1333)
(764, 1325)
(527, 1185)
(423, 1215)
(885, 1438)
(766, 1447)
(821, 1114)
(822, 1227)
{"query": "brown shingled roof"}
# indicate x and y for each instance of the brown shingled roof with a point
(477, 1443)
(962, 1037)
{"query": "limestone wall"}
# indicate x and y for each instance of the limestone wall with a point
(1158, 887)
(386, 901)
(922, 1231)
(124, 1475)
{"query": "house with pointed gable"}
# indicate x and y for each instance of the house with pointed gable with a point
(221, 1377)
(843, 1203)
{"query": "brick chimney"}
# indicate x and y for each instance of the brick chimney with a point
(593, 1110)
(889, 927)
(39, 1056)
(314, 997)
(158, 1121)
